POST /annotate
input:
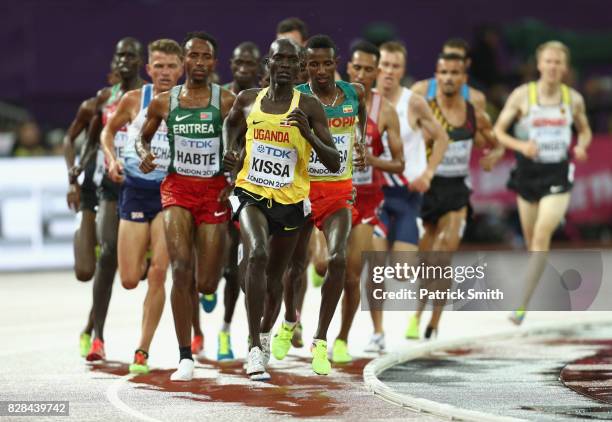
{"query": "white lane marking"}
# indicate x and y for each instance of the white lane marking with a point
(112, 394)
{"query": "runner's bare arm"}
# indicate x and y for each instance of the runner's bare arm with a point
(93, 134)
(360, 158)
(227, 101)
(156, 112)
(582, 126)
(478, 99)
(432, 132)
(420, 87)
(485, 138)
(310, 114)
(391, 126)
(510, 112)
(121, 117)
(80, 122)
(235, 128)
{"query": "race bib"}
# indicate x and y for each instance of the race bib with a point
(552, 142)
(99, 169)
(456, 161)
(197, 157)
(161, 148)
(271, 166)
(343, 144)
(120, 143)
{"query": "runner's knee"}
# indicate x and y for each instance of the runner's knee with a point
(337, 262)
(182, 274)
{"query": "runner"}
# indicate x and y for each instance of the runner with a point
(272, 185)
(397, 230)
(428, 87)
(446, 204)
(194, 214)
(128, 59)
(245, 66)
(293, 28)
(543, 176)
(331, 195)
(141, 225)
(82, 198)
(382, 119)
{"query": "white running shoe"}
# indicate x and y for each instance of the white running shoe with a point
(184, 371)
(264, 339)
(255, 368)
(376, 344)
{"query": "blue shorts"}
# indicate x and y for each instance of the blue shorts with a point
(398, 215)
(140, 200)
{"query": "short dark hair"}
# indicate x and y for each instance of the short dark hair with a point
(451, 56)
(201, 35)
(322, 41)
(292, 24)
(248, 46)
(457, 43)
(366, 47)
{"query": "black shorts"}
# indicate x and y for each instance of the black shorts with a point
(444, 195)
(108, 190)
(89, 198)
(283, 219)
(533, 181)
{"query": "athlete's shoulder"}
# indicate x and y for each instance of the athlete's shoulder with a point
(227, 97)
(359, 89)
(420, 87)
(88, 105)
(417, 101)
(247, 96)
(132, 96)
(303, 88)
(477, 98)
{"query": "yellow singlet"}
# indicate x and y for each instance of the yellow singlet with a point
(277, 156)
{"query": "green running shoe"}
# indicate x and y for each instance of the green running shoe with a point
(340, 352)
(320, 362)
(281, 343)
(224, 351)
(316, 279)
(140, 365)
(84, 344)
(412, 333)
(518, 316)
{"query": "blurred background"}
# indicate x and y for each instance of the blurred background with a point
(57, 53)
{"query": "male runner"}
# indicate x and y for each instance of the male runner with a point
(141, 224)
(382, 119)
(279, 126)
(331, 195)
(128, 58)
(293, 28)
(245, 66)
(190, 193)
(543, 176)
(82, 198)
(446, 203)
(398, 230)
(428, 87)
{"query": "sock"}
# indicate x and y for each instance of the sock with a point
(226, 327)
(185, 353)
(290, 324)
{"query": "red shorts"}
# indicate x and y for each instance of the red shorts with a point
(197, 195)
(366, 206)
(328, 197)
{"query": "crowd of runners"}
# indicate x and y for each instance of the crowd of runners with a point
(289, 173)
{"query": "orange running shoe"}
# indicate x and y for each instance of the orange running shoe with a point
(197, 345)
(97, 351)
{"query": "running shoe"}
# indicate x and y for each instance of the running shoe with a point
(197, 345)
(184, 372)
(255, 367)
(264, 339)
(517, 316)
(320, 362)
(376, 344)
(84, 344)
(224, 347)
(97, 351)
(281, 343)
(340, 352)
(412, 333)
(208, 302)
(431, 331)
(140, 365)
(316, 279)
(296, 340)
